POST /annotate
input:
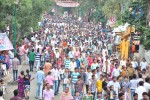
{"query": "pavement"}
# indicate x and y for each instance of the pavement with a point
(12, 86)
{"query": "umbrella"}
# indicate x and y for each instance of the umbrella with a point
(5, 43)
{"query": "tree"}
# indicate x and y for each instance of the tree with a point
(28, 14)
(137, 15)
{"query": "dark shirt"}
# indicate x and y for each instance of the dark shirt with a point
(83, 76)
(2, 58)
(78, 63)
(26, 80)
(104, 84)
(79, 86)
(16, 98)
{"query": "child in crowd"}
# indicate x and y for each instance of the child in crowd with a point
(89, 95)
(112, 93)
(77, 96)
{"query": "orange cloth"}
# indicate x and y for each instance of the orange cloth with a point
(133, 48)
(123, 74)
(64, 44)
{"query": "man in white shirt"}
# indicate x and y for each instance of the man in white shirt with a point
(147, 84)
(57, 54)
(39, 46)
(33, 38)
(73, 65)
(133, 85)
(56, 75)
(140, 90)
(143, 64)
(115, 84)
(134, 64)
(123, 62)
(52, 42)
(104, 53)
(88, 78)
(61, 72)
(140, 78)
(116, 72)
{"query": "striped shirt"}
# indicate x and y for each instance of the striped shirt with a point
(38, 57)
(67, 64)
(74, 76)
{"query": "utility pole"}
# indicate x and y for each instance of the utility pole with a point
(15, 25)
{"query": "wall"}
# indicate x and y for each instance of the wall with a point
(147, 56)
(143, 54)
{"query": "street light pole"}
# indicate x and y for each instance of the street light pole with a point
(15, 26)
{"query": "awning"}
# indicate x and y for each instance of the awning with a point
(5, 43)
(67, 3)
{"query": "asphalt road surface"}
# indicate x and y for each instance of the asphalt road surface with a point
(12, 86)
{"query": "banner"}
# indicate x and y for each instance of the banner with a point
(5, 43)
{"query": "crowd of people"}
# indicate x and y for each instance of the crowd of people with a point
(78, 61)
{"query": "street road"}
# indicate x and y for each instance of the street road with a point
(11, 87)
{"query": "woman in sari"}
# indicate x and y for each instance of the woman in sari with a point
(21, 86)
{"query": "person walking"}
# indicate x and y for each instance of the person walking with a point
(92, 86)
(47, 67)
(140, 90)
(15, 65)
(16, 97)
(26, 56)
(27, 80)
(79, 86)
(74, 79)
(21, 86)
(130, 71)
(66, 79)
(48, 94)
(40, 77)
(133, 85)
(37, 59)
(31, 59)
(99, 84)
(56, 75)
(66, 95)
(49, 79)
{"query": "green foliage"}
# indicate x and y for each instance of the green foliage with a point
(28, 14)
(105, 9)
(112, 8)
(94, 7)
(99, 16)
(145, 38)
(140, 23)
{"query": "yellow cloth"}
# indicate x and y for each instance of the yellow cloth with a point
(99, 85)
(120, 67)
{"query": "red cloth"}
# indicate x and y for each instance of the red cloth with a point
(90, 61)
(133, 48)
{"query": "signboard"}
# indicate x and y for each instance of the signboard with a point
(67, 3)
(136, 38)
(5, 43)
